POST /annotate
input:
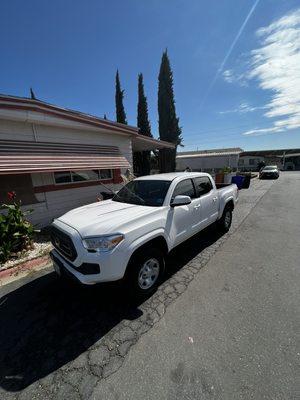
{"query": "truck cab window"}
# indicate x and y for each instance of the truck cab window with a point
(203, 185)
(184, 188)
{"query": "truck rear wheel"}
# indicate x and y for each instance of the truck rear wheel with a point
(145, 271)
(225, 221)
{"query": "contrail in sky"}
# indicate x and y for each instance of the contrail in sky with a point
(220, 69)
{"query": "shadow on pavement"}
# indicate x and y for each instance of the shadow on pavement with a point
(46, 323)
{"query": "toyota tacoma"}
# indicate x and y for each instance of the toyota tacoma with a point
(129, 236)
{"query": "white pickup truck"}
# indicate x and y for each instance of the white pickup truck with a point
(129, 236)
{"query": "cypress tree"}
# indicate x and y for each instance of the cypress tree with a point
(169, 129)
(104, 116)
(120, 112)
(142, 109)
(141, 160)
(32, 95)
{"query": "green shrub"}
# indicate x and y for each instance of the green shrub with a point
(16, 232)
(226, 170)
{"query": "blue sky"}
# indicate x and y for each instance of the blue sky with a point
(69, 50)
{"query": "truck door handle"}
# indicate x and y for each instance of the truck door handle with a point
(215, 198)
(197, 206)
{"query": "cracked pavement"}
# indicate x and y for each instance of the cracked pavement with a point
(61, 340)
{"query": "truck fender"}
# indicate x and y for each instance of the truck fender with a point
(135, 245)
(224, 204)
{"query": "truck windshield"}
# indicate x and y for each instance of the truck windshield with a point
(144, 192)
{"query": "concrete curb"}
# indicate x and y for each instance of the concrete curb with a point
(24, 268)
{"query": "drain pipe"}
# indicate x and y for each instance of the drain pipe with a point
(34, 132)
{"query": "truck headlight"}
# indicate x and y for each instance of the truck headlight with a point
(102, 243)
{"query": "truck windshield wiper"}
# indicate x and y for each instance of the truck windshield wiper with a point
(142, 201)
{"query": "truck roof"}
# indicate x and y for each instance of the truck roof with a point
(170, 176)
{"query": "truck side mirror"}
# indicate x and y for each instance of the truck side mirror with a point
(180, 201)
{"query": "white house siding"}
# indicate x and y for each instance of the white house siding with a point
(247, 165)
(207, 163)
(66, 135)
(55, 203)
(15, 130)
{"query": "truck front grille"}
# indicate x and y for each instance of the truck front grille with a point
(63, 243)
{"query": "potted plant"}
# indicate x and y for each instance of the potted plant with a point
(225, 175)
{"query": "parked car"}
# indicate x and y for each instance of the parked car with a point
(129, 236)
(270, 171)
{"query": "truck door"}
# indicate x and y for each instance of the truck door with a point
(182, 218)
(209, 204)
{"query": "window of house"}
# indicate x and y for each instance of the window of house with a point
(185, 188)
(82, 176)
(241, 161)
(203, 185)
(105, 173)
(62, 177)
(79, 176)
(251, 161)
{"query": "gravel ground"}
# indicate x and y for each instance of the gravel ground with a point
(41, 246)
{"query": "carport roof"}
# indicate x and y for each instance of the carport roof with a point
(144, 143)
(37, 111)
(35, 106)
(274, 152)
(210, 153)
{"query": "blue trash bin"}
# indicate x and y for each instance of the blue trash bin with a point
(238, 180)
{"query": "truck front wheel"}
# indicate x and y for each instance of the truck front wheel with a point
(225, 221)
(145, 271)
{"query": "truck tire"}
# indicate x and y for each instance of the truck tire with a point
(144, 271)
(225, 221)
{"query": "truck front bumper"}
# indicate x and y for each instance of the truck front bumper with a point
(105, 274)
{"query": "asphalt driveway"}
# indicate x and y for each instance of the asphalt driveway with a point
(235, 333)
(61, 341)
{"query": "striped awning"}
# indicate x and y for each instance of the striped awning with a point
(22, 157)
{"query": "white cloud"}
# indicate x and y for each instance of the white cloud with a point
(243, 108)
(228, 75)
(231, 77)
(262, 131)
(276, 66)
(287, 21)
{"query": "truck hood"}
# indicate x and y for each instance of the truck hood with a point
(103, 217)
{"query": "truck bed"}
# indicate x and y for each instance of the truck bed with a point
(222, 185)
